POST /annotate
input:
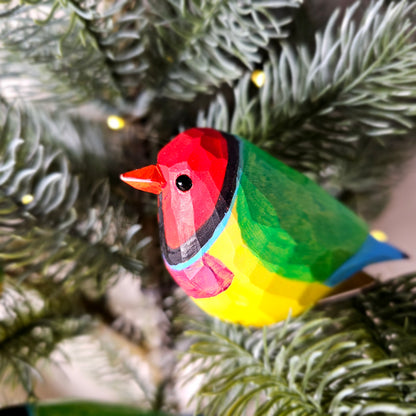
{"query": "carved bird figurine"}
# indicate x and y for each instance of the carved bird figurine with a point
(247, 237)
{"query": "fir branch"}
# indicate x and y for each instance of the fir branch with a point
(316, 109)
(48, 56)
(352, 364)
(116, 32)
(105, 357)
(138, 377)
(201, 45)
(86, 150)
(53, 225)
(31, 327)
(194, 45)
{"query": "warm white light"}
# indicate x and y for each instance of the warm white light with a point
(115, 122)
(258, 77)
(27, 199)
(379, 235)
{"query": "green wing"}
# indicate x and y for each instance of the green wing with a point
(291, 224)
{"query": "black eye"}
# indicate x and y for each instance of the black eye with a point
(184, 183)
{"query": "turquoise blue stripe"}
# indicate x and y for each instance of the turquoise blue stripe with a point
(220, 227)
(30, 410)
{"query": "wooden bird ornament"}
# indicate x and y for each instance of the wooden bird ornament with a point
(246, 237)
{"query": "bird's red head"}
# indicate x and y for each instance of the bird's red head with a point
(189, 175)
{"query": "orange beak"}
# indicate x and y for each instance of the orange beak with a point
(148, 179)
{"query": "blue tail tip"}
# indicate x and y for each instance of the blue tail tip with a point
(372, 251)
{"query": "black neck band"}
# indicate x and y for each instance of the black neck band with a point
(191, 247)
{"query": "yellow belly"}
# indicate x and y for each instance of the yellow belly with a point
(256, 296)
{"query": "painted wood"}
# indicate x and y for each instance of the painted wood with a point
(247, 237)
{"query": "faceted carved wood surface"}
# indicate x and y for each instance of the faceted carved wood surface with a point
(247, 237)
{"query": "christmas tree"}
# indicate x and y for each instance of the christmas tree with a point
(93, 88)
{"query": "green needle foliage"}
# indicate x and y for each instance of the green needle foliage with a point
(53, 55)
(204, 44)
(61, 242)
(196, 45)
(355, 363)
(31, 327)
(315, 107)
(49, 216)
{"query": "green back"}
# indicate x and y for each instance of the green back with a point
(291, 224)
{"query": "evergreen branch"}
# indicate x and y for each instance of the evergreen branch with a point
(31, 327)
(99, 354)
(50, 59)
(194, 45)
(353, 364)
(197, 46)
(138, 377)
(317, 108)
(116, 33)
(53, 225)
(205, 44)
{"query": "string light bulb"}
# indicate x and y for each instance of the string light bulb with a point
(379, 235)
(27, 199)
(258, 77)
(115, 122)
